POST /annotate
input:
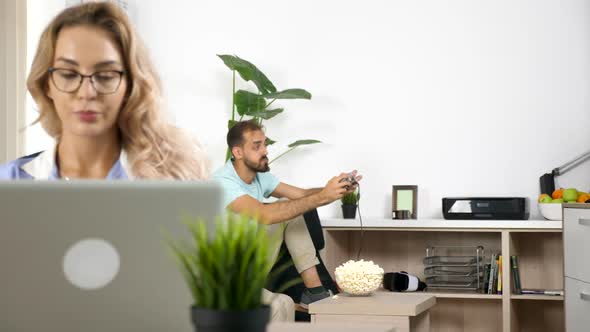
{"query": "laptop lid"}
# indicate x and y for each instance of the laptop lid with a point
(92, 255)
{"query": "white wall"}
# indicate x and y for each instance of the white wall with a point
(460, 97)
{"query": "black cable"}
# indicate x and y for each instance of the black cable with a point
(358, 255)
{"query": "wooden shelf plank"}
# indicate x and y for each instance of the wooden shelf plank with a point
(465, 295)
(537, 297)
(442, 224)
(453, 294)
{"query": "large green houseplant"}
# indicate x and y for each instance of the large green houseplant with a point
(226, 270)
(257, 106)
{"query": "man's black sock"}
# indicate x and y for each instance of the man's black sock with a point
(317, 290)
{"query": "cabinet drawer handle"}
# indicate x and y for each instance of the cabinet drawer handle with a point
(585, 296)
(584, 222)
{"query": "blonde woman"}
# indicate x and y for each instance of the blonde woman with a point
(99, 97)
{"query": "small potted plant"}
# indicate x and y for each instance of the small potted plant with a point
(349, 205)
(225, 270)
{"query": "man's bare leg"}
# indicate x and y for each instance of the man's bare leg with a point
(311, 278)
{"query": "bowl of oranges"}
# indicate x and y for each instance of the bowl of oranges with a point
(551, 206)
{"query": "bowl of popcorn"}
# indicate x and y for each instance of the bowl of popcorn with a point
(359, 278)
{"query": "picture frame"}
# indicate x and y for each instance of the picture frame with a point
(405, 197)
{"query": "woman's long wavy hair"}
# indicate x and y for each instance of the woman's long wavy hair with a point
(155, 148)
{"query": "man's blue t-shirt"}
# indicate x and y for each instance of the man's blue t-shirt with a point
(233, 186)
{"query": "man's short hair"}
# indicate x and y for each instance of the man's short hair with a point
(235, 136)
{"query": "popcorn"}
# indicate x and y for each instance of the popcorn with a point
(359, 277)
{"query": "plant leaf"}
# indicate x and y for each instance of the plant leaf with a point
(227, 154)
(272, 276)
(288, 284)
(187, 270)
(269, 141)
(229, 270)
(288, 94)
(303, 142)
(267, 114)
(248, 103)
(231, 123)
(249, 72)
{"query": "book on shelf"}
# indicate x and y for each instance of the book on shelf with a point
(496, 268)
(499, 288)
(491, 275)
(486, 277)
(515, 275)
(552, 292)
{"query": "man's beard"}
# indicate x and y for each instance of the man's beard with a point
(261, 167)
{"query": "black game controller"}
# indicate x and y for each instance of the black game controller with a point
(349, 179)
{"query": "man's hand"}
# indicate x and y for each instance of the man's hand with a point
(334, 189)
(357, 178)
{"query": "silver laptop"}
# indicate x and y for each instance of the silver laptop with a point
(92, 256)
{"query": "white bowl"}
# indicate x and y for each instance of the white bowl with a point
(551, 211)
(358, 285)
(359, 278)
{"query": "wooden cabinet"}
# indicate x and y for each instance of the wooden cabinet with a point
(400, 245)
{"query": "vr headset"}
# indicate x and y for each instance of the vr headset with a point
(402, 282)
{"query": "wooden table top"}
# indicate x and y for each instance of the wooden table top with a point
(328, 327)
(379, 303)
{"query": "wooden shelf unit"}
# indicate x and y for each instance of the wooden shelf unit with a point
(398, 245)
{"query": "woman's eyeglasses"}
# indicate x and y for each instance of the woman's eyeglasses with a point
(104, 82)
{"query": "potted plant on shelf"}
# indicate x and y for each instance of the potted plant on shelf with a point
(226, 273)
(256, 106)
(349, 205)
